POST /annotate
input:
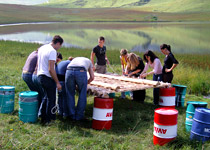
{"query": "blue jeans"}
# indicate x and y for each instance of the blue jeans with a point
(28, 80)
(38, 88)
(157, 77)
(48, 101)
(76, 76)
(62, 100)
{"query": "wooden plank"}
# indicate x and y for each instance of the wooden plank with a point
(126, 79)
(105, 85)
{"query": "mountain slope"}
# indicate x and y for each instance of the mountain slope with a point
(147, 5)
(95, 3)
(177, 5)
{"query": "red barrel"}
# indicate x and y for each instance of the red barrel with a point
(165, 125)
(167, 97)
(102, 113)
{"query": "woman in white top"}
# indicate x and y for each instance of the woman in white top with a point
(154, 62)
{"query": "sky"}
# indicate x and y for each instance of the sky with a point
(23, 2)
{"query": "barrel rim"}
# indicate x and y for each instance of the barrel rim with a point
(7, 88)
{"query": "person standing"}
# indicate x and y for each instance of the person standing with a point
(154, 62)
(123, 60)
(134, 68)
(62, 99)
(48, 78)
(101, 59)
(28, 70)
(170, 63)
(76, 75)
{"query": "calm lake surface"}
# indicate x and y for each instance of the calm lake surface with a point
(183, 37)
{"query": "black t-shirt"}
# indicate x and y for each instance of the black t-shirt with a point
(168, 62)
(140, 66)
(100, 53)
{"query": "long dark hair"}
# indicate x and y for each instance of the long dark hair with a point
(151, 54)
(168, 47)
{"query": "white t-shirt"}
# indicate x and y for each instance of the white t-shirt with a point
(45, 53)
(81, 62)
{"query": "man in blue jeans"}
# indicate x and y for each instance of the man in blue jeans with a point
(62, 99)
(76, 75)
(48, 79)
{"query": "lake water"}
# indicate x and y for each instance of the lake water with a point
(183, 37)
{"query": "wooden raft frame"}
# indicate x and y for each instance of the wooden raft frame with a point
(104, 84)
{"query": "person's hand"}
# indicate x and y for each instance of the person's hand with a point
(168, 70)
(143, 75)
(59, 87)
(129, 75)
(94, 68)
(107, 61)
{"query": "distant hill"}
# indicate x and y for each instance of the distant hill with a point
(147, 5)
(95, 3)
(23, 2)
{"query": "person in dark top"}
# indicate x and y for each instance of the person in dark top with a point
(101, 59)
(134, 68)
(170, 63)
(62, 98)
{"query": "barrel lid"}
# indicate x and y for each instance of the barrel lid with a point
(7, 88)
(203, 110)
(28, 94)
(166, 111)
(176, 85)
(197, 103)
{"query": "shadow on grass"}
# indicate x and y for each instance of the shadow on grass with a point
(128, 117)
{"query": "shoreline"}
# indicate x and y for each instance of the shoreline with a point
(147, 22)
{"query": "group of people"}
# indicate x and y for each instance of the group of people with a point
(132, 65)
(46, 73)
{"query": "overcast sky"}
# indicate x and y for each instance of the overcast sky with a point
(23, 2)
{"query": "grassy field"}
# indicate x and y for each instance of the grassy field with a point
(20, 14)
(132, 125)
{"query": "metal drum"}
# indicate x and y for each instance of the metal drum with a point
(7, 98)
(102, 113)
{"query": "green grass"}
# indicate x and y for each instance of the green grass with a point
(132, 125)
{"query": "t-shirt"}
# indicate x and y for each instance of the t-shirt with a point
(45, 53)
(80, 62)
(31, 61)
(156, 65)
(168, 62)
(140, 66)
(61, 69)
(100, 53)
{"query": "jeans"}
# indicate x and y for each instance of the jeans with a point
(48, 101)
(38, 88)
(28, 80)
(157, 77)
(76, 77)
(62, 100)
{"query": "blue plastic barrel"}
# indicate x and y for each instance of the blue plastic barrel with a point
(180, 94)
(28, 106)
(7, 97)
(201, 125)
(111, 95)
(191, 106)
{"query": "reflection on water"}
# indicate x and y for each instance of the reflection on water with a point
(183, 38)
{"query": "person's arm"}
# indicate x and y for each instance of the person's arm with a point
(53, 74)
(144, 74)
(134, 72)
(122, 66)
(107, 60)
(173, 66)
(90, 70)
(92, 59)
